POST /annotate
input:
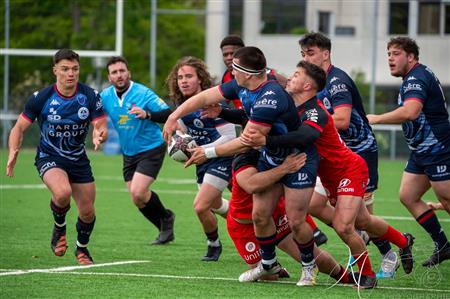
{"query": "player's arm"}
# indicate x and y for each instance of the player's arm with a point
(234, 116)
(15, 142)
(341, 117)
(409, 111)
(99, 132)
(253, 181)
(207, 97)
(227, 132)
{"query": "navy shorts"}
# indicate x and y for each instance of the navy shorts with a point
(436, 167)
(371, 159)
(148, 163)
(79, 171)
(218, 167)
(304, 178)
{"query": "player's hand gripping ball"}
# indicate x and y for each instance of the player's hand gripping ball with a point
(178, 148)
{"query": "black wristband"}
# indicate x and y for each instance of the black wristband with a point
(148, 115)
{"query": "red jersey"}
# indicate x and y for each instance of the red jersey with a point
(228, 76)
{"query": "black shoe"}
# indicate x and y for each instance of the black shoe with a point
(283, 273)
(365, 282)
(58, 242)
(406, 254)
(438, 256)
(213, 253)
(319, 237)
(166, 234)
(83, 256)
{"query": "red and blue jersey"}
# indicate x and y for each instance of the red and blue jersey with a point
(63, 121)
(340, 91)
(430, 132)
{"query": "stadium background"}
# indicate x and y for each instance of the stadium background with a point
(194, 28)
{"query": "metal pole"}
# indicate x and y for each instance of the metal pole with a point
(119, 27)
(6, 123)
(153, 33)
(374, 58)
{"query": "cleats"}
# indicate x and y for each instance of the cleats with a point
(259, 272)
(319, 237)
(83, 256)
(58, 242)
(389, 265)
(166, 234)
(283, 273)
(213, 253)
(406, 254)
(438, 257)
(365, 282)
(309, 275)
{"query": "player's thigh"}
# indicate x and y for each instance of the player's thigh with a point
(207, 195)
(57, 181)
(413, 186)
(264, 203)
(140, 183)
(442, 190)
(84, 196)
(346, 211)
(297, 200)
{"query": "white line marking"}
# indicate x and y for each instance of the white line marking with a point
(68, 268)
(230, 279)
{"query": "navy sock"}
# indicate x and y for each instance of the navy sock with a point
(213, 236)
(59, 214)
(268, 255)
(430, 223)
(383, 245)
(84, 232)
(306, 251)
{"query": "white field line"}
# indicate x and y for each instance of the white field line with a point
(163, 276)
(68, 268)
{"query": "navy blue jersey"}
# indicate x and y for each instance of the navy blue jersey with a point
(63, 121)
(203, 130)
(340, 90)
(430, 132)
(268, 105)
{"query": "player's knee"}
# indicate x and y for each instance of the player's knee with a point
(260, 219)
(138, 196)
(87, 214)
(344, 230)
(200, 208)
(62, 195)
(296, 224)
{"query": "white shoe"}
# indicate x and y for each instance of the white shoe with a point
(309, 275)
(258, 272)
(389, 265)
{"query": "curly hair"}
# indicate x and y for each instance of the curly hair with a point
(172, 82)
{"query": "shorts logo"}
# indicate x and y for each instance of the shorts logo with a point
(441, 168)
(46, 166)
(250, 246)
(222, 168)
(344, 183)
(83, 113)
(302, 177)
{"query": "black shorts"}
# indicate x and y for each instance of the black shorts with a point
(371, 159)
(79, 172)
(148, 163)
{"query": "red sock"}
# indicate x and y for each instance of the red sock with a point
(343, 275)
(395, 237)
(311, 222)
(364, 265)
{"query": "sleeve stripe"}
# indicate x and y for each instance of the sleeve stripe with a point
(26, 118)
(343, 105)
(414, 99)
(242, 168)
(221, 91)
(98, 117)
(259, 123)
(314, 125)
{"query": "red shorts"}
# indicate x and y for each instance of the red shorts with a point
(350, 181)
(243, 235)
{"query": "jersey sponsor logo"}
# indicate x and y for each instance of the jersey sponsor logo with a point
(268, 93)
(411, 78)
(123, 119)
(282, 220)
(338, 88)
(81, 98)
(412, 86)
(53, 116)
(250, 246)
(83, 113)
(198, 123)
(312, 115)
(35, 93)
(54, 102)
(326, 103)
(334, 79)
(266, 103)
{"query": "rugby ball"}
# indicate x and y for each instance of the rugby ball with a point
(178, 147)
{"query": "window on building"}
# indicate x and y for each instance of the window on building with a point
(447, 19)
(344, 30)
(236, 8)
(324, 22)
(429, 17)
(398, 17)
(283, 16)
